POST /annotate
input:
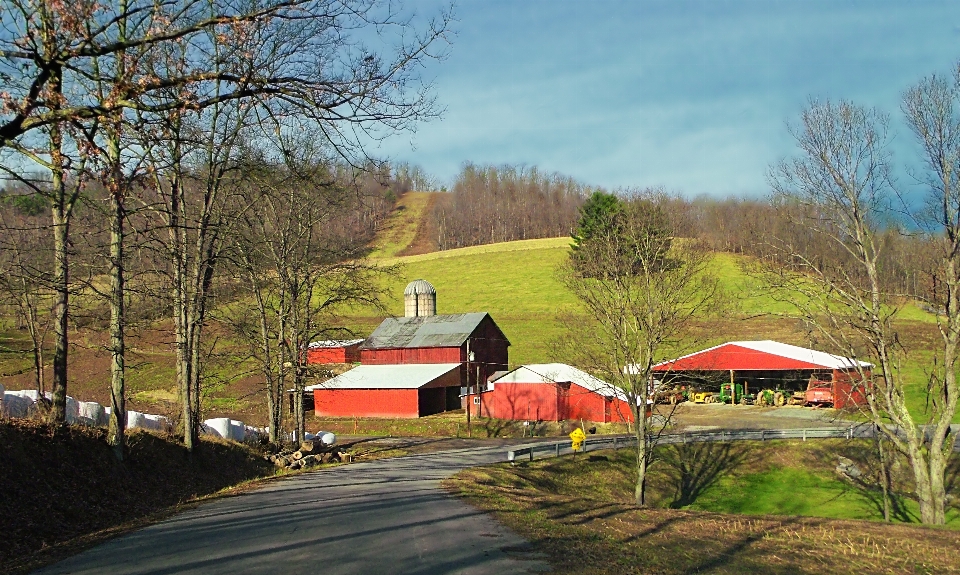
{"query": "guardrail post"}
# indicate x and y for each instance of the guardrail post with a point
(584, 446)
(615, 443)
(804, 434)
(721, 436)
(557, 446)
(511, 456)
(531, 454)
(849, 433)
(763, 435)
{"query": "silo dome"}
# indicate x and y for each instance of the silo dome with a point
(419, 299)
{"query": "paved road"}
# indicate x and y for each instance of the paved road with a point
(387, 516)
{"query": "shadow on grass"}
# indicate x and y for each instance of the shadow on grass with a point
(690, 469)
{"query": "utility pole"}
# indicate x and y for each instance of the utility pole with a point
(469, 397)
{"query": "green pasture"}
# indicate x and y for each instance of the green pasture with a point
(401, 227)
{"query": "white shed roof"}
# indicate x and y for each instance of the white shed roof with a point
(560, 373)
(406, 376)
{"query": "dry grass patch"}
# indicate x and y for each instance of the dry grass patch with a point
(578, 513)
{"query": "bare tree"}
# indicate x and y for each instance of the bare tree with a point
(299, 274)
(25, 276)
(843, 176)
(641, 289)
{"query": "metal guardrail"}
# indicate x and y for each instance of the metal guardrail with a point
(617, 441)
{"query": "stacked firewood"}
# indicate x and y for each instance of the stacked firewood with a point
(310, 454)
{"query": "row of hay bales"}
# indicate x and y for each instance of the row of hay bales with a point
(23, 404)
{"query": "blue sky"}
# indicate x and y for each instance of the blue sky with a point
(691, 96)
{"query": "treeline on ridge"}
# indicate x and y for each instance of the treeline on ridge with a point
(491, 204)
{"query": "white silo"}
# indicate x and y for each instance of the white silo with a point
(419, 299)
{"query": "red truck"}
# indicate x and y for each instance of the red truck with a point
(819, 394)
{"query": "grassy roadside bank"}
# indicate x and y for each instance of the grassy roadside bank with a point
(63, 491)
(775, 508)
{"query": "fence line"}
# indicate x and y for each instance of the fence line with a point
(858, 431)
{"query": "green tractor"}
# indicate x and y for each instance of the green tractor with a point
(773, 397)
(736, 396)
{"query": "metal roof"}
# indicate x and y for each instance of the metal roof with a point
(406, 376)
(424, 331)
(560, 373)
(332, 343)
(758, 355)
(419, 287)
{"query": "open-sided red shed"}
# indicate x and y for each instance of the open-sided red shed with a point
(791, 366)
(554, 392)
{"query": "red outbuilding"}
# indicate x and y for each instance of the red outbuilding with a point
(770, 364)
(334, 351)
(554, 392)
(406, 391)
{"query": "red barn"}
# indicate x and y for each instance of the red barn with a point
(768, 364)
(389, 391)
(415, 366)
(554, 392)
(334, 351)
(471, 339)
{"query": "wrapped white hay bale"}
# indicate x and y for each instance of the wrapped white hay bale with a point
(307, 436)
(165, 424)
(91, 413)
(326, 437)
(220, 426)
(136, 419)
(158, 423)
(24, 402)
(252, 433)
(73, 410)
(238, 430)
(151, 422)
(16, 405)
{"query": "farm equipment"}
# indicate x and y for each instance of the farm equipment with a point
(737, 396)
(703, 397)
(819, 393)
(773, 397)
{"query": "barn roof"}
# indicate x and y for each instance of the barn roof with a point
(334, 343)
(425, 331)
(758, 355)
(407, 376)
(560, 373)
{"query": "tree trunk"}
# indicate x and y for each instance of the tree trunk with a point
(61, 232)
(640, 490)
(118, 414)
